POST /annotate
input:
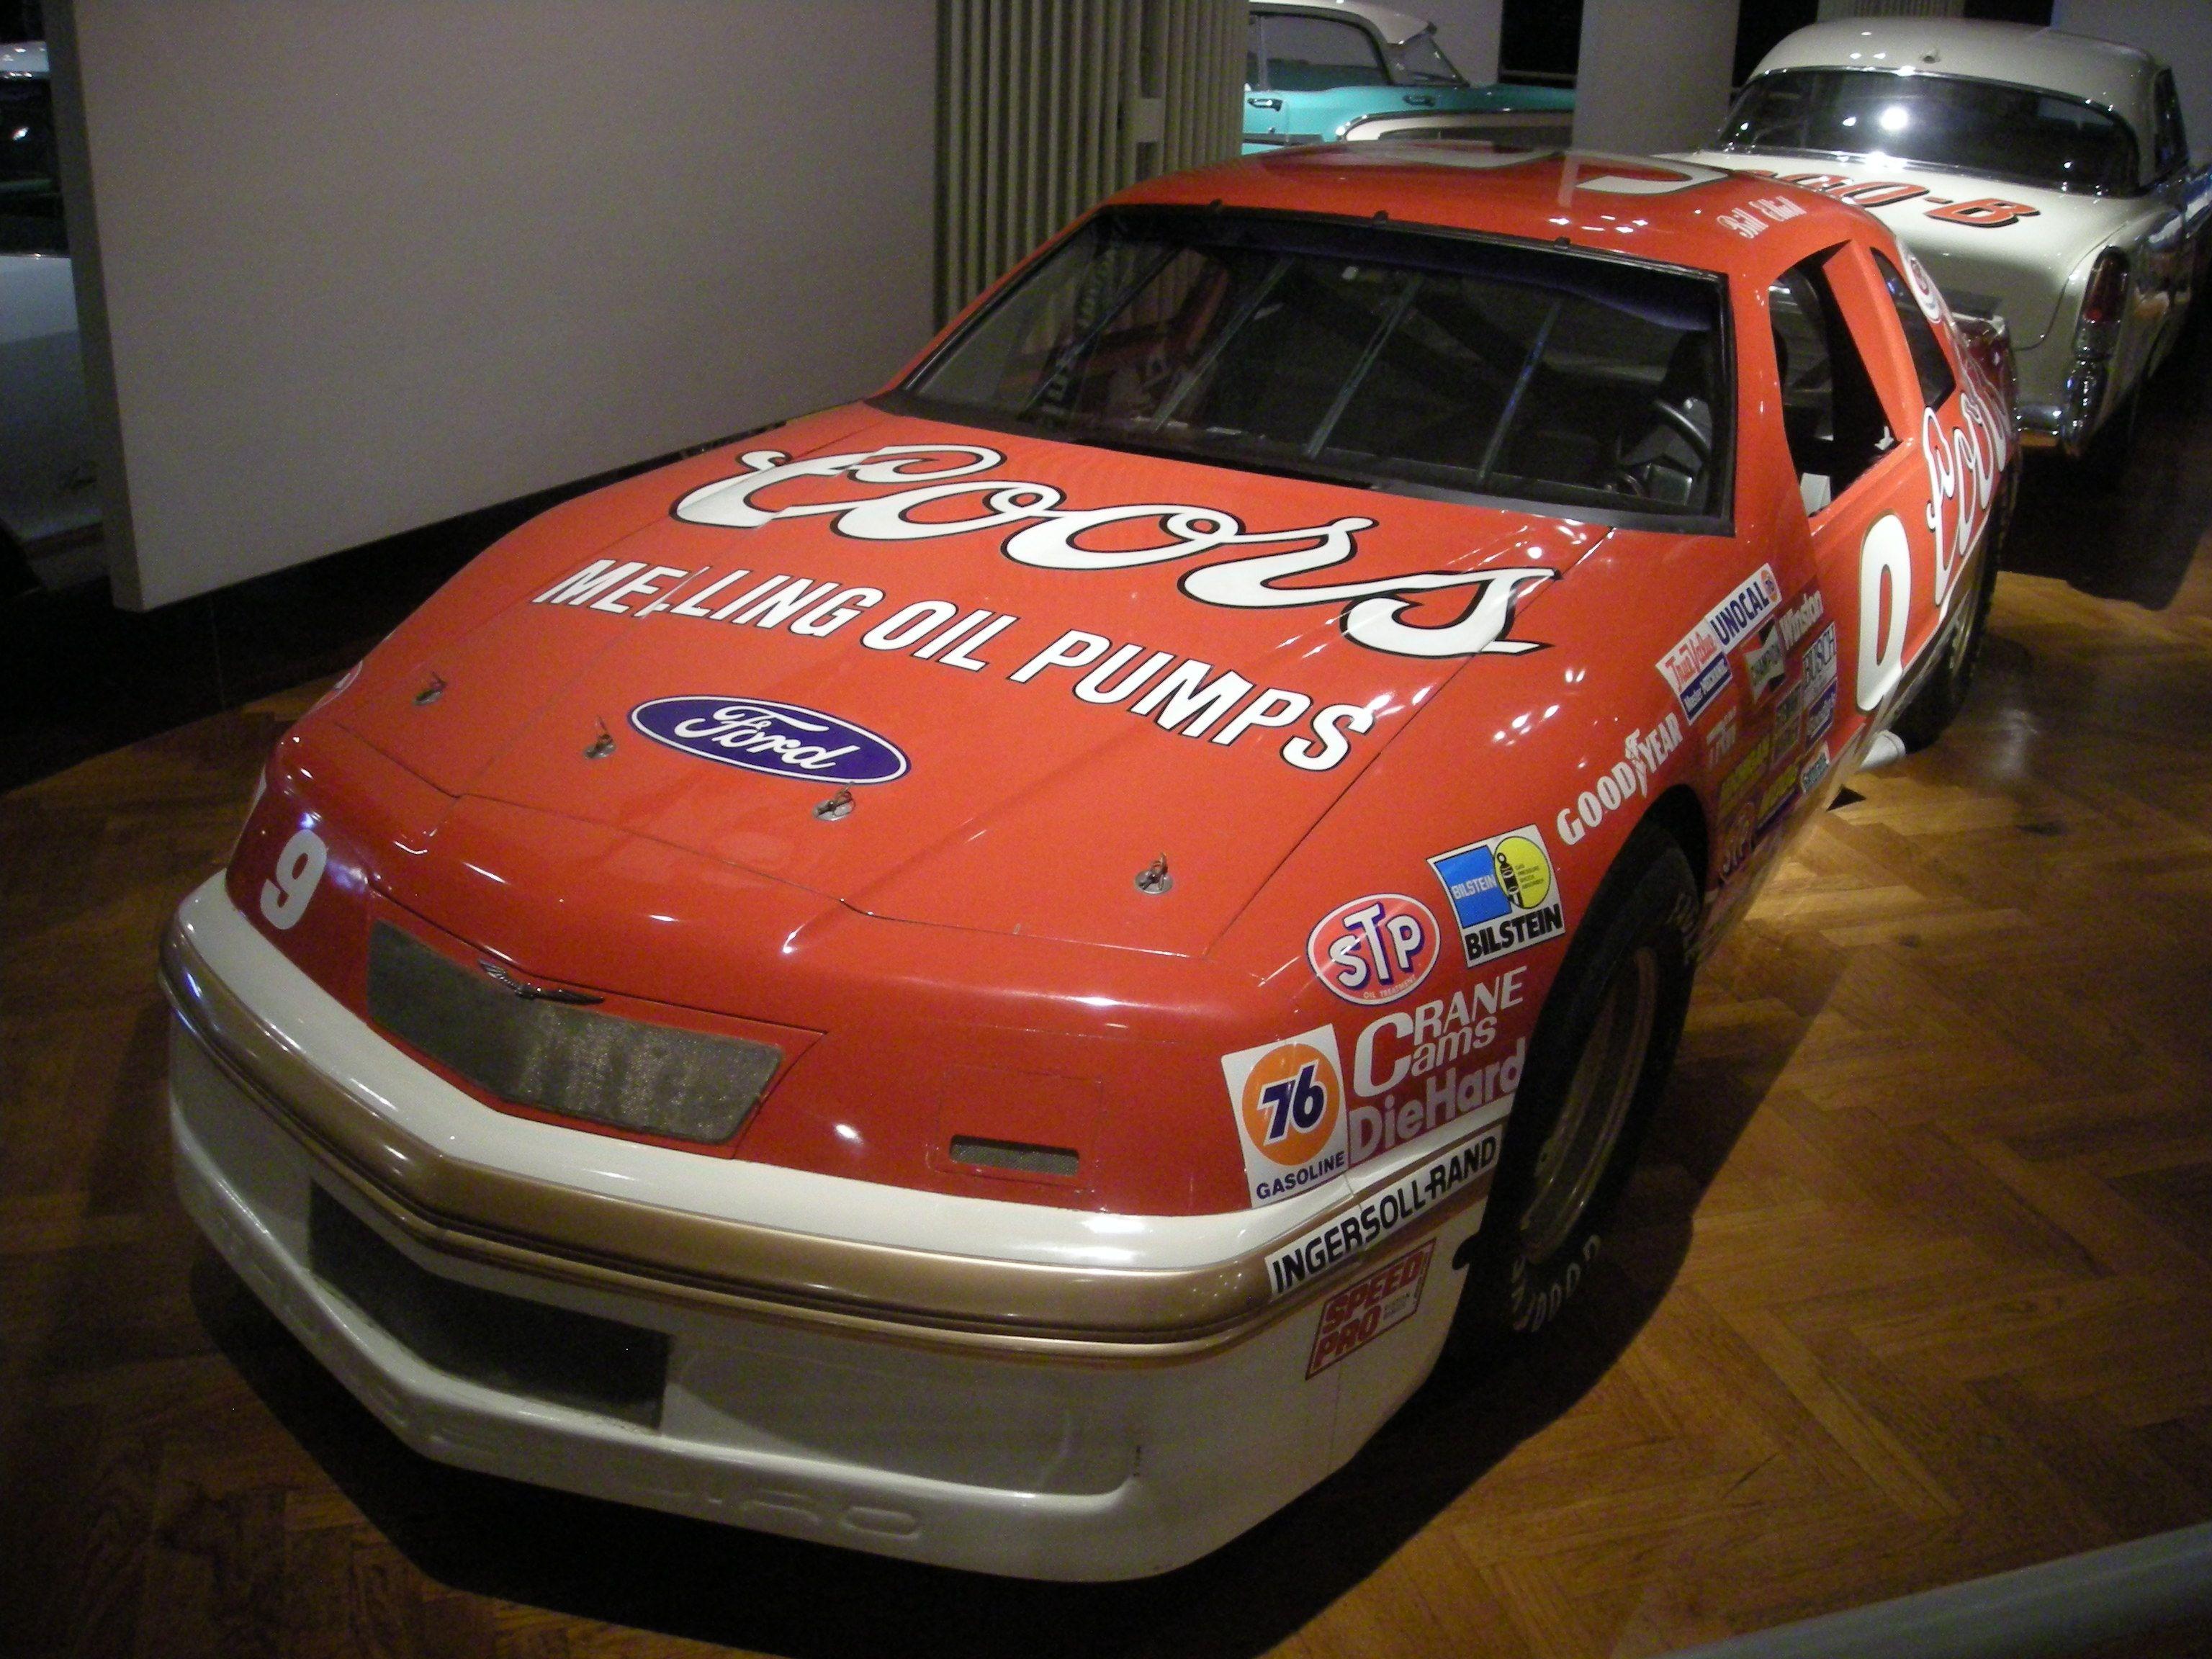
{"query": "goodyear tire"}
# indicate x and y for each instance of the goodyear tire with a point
(1603, 1046)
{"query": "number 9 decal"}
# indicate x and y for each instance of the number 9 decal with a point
(1885, 562)
(299, 872)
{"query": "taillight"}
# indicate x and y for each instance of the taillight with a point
(2108, 287)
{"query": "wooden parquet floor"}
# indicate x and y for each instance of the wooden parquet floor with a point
(1916, 1283)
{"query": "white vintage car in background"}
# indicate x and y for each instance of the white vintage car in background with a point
(2040, 177)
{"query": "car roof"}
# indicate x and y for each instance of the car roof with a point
(1394, 27)
(26, 57)
(2020, 54)
(1575, 197)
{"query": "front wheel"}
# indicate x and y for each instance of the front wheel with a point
(1603, 1046)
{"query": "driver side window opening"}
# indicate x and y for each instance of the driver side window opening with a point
(1831, 412)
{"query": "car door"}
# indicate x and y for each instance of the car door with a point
(1263, 109)
(1853, 433)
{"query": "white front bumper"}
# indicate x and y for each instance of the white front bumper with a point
(1006, 1463)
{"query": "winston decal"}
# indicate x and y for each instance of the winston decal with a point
(1039, 531)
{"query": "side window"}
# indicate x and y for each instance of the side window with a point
(1937, 383)
(1254, 52)
(1312, 54)
(1830, 410)
(2173, 142)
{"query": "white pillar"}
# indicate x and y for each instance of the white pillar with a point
(1654, 73)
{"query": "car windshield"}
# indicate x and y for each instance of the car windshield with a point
(1420, 61)
(1395, 359)
(30, 193)
(2016, 133)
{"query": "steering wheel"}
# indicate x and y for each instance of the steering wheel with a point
(1686, 424)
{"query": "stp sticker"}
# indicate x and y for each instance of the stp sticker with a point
(1503, 894)
(1289, 1101)
(1359, 1313)
(1375, 949)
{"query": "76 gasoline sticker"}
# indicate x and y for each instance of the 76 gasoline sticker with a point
(1289, 1100)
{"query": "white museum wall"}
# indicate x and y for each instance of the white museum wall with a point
(2178, 31)
(1654, 73)
(359, 267)
(1467, 30)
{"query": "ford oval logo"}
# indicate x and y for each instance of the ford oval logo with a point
(779, 739)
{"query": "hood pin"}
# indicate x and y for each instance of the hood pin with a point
(430, 693)
(602, 746)
(1154, 879)
(839, 805)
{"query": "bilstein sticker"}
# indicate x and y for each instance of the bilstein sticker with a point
(1289, 1101)
(1503, 894)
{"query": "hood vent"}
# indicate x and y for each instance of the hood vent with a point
(523, 1045)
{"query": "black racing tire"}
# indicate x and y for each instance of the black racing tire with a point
(1597, 1064)
(1938, 699)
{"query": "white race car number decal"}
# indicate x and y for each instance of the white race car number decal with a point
(285, 896)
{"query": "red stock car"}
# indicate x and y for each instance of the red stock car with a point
(986, 974)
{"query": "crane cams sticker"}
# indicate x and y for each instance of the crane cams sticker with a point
(1375, 948)
(1359, 1313)
(1504, 895)
(1289, 1101)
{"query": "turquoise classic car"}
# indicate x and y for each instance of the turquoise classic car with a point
(1321, 71)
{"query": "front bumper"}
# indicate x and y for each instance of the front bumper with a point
(1008, 1387)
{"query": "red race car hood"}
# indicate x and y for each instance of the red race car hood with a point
(954, 676)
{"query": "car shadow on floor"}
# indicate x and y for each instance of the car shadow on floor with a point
(635, 1567)
(2134, 539)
